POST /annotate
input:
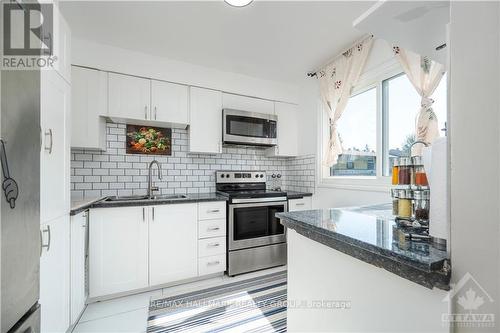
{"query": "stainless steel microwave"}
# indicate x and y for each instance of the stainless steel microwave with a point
(249, 128)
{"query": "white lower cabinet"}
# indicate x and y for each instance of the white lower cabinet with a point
(78, 238)
(172, 243)
(138, 247)
(118, 250)
(54, 275)
(304, 203)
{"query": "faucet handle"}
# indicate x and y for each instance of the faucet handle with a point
(155, 188)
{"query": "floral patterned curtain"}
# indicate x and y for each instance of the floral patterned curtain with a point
(337, 80)
(425, 75)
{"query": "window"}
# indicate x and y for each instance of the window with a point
(357, 130)
(378, 125)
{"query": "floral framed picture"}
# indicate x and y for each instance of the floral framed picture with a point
(149, 140)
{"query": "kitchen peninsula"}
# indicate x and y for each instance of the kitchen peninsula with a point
(350, 263)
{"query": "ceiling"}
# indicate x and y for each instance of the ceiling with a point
(272, 40)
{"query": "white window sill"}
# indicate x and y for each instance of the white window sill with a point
(369, 184)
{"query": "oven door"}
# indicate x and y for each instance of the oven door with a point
(249, 128)
(255, 224)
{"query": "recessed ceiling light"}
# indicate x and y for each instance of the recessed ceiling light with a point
(238, 3)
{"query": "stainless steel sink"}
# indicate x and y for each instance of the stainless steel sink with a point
(169, 197)
(127, 198)
(144, 198)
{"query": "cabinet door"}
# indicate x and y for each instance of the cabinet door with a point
(54, 276)
(287, 129)
(118, 250)
(169, 103)
(88, 105)
(237, 102)
(128, 97)
(62, 44)
(77, 272)
(173, 243)
(54, 158)
(205, 129)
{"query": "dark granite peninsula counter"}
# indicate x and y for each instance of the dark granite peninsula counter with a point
(340, 253)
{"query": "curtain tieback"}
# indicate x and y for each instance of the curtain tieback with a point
(426, 102)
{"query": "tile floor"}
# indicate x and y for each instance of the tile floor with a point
(129, 313)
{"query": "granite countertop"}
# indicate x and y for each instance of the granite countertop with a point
(297, 195)
(83, 204)
(366, 233)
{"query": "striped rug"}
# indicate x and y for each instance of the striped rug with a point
(255, 305)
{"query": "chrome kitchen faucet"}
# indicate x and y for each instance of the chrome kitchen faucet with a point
(150, 182)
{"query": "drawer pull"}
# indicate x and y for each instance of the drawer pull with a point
(300, 204)
(213, 211)
(213, 244)
(213, 229)
(211, 263)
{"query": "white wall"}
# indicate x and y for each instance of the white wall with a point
(91, 54)
(475, 145)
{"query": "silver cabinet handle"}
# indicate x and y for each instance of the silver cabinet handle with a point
(213, 244)
(153, 211)
(213, 229)
(213, 210)
(143, 214)
(155, 112)
(49, 148)
(300, 204)
(47, 246)
(146, 112)
(213, 263)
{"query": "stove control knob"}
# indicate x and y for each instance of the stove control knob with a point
(256, 176)
(261, 176)
(227, 176)
(222, 176)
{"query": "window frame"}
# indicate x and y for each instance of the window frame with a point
(371, 79)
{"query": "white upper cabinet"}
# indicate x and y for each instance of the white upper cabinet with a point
(61, 44)
(287, 130)
(243, 103)
(129, 97)
(173, 243)
(88, 108)
(205, 129)
(118, 251)
(169, 103)
(55, 155)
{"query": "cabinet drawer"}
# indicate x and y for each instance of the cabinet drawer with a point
(212, 210)
(211, 246)
(211, 228)
(212, 264)
(300, 204)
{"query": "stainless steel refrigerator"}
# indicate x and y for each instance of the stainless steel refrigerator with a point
(20, 201)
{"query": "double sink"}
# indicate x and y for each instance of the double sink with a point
(144, 198)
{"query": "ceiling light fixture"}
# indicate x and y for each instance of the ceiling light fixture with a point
(238, 3)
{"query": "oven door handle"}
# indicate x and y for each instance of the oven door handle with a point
(271, 200)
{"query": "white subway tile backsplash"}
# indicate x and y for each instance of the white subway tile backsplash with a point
(113, 172)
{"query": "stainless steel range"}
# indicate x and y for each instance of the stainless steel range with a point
(256, 238)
